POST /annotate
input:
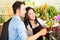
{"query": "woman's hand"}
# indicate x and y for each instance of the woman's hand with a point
(43, 32)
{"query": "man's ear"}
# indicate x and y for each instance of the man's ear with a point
(17, 10)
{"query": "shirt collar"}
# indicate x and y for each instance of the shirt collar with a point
(17, 17)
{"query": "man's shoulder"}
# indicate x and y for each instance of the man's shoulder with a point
(14, 19)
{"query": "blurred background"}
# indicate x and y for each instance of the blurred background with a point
(41, 6)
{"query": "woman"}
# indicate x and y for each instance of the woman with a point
(32, 23)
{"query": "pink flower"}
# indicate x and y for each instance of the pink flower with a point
(57, 17)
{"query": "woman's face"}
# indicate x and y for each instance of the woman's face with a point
(31, 14)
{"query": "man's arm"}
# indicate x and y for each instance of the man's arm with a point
(21, 31)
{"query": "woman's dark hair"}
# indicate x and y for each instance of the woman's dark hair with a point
(17, 5)
(26, 19)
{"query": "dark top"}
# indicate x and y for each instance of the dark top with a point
(37, 29)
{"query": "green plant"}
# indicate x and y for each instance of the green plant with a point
(1, 20)
(51, 12)
(46, 14)
(39, 11)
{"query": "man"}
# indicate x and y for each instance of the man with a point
(16, 29)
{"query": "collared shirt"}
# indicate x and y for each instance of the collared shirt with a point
(16, 29)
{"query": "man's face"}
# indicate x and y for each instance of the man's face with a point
(22, 10)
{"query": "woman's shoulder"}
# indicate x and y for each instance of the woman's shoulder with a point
(41, 22)
(39, 19)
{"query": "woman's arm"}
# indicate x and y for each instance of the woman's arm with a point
(40, 33)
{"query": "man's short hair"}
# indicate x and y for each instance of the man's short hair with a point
(16, 6)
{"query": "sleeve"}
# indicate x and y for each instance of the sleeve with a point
(21, 31)
(30, 31)
(41, 22)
